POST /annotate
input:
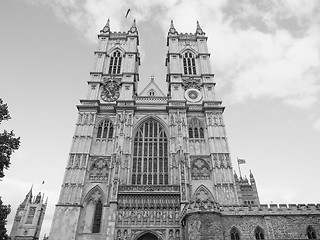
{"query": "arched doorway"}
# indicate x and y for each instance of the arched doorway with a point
(148, 236)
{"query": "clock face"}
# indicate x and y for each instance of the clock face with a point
(109, 96)
(110, 90)
(193, 95)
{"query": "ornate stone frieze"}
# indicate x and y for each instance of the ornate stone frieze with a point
(221, 160)
(77, 160)
(200, 170)
(191, 83)
(149, 188)
(99, 170)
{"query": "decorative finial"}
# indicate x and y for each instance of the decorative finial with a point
(106, 28)
(199, 29)
(152, 78)
(133, 28)
(172, 29)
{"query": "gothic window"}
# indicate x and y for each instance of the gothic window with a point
(152, 93)
(259, 234)
(150, 155)
(32, 211)
(234, 234)
(97, 217)
(115, 63)
(105, 130)
(189, 64)
(195, 129)
(311, 233)
(92, 211)
(99, 171)
(200, 170)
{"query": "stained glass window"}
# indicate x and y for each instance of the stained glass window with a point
(150, 164)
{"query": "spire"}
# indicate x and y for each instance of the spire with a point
(199, 30)
(235, 176)
(251, 177)
(172, 29)
(28, 197)
(133, 28)
(106, 28)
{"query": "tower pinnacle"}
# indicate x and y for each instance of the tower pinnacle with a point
(133, 28)
(106, 28)
(199, 30)
(172, 29)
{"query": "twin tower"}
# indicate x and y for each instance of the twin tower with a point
(149, 165)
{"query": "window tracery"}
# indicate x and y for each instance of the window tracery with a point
(195, 129)
(99, 171)
(259, 234)
(105, 130)
(311, 233)
(189, 64)
(115, 63)
(200, 170)
(234, 234)
(150, 155)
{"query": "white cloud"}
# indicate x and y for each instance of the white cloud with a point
(316, 125)
(265, 49)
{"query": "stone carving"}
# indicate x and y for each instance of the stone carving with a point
(110, 91)
(200, 170)
(191, 83)
(99, 170)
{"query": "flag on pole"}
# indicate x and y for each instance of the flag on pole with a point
(241, 161)
(128, 12)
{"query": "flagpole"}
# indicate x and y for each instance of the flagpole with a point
(239, 167)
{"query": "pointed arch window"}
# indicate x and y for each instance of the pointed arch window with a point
(259, 233)
(105, 130)
(189, 64)
(150, 155)
(234, 234)
(152, 93)
(196, 129)
(97, 217)
(115, 62)
(311, 233)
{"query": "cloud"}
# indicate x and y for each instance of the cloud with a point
(316, 125)
(260, 49)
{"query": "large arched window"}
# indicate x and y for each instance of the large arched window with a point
(234, 234)
(150, 155)
(105, 130)
(259, 233)
(195, 129)
(115, 63)
(189, 64)
(311, 233)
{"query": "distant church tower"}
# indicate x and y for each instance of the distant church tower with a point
(29, 217)
(143, 166)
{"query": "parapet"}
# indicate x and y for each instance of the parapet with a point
(272, 209)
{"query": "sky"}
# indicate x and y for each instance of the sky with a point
(265, 56)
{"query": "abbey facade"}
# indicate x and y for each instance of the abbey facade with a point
(156, 166)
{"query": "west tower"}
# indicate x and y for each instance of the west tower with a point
(29, 217)
(145, 166)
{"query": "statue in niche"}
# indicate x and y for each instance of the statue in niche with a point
(171, 237)
(119, 235)
(125, 235)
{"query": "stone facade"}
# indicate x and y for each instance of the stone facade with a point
(29, 217)
(156, 166)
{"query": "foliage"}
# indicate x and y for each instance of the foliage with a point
(8, 143)
(4, 212)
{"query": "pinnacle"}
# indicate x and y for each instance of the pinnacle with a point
(199, 29)
(106, 28)
(172, 29)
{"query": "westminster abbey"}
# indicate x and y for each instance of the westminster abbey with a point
(157, 166)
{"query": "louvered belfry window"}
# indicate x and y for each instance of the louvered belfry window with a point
(115, 63)
(189, 64)
(150, 155)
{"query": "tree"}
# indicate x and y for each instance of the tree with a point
(8, 144)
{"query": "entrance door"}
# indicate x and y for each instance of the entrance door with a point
(148, 236)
